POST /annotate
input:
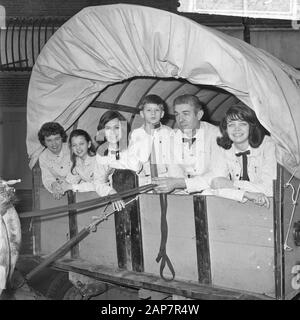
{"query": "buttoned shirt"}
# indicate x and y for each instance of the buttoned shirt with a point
(82, 176)
(54, 166)
(194, 162)
(105, 165)
(141, 147)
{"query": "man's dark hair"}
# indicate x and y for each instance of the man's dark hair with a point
(191, 100)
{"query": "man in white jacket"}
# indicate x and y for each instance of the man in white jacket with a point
(194, 146)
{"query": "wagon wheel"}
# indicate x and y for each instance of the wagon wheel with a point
(61, 288)
(297, 297)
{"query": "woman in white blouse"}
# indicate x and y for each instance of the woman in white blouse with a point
(248, 163)
(112, 153)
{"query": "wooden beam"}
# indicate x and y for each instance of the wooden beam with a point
(128, 226)
(138, 280)
(202, 240)
(279, 234)
(36, 222)
(136, 232)
(114, 107)
(73, 227)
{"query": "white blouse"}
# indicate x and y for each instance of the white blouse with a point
(82, 177)
(54, 166)
(141, 147)
(262, 169)
(104, 168)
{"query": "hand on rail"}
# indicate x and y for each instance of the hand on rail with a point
(57, 190)
(221, 182)
(118, 205)
(258, 198)
(166, 185)
(65, 186)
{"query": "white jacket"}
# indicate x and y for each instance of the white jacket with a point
(82, 177)
(104, 168)
(195, 163)
(141, 147)
(54, 166)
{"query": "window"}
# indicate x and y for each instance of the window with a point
(274, 9)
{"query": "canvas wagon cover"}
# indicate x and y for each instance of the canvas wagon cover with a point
(107, 44)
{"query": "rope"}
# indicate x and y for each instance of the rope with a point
(294, 203)
(104, 217)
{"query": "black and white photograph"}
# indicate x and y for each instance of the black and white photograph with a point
(149, 150)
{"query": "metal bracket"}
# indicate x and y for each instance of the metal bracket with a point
(87, 286)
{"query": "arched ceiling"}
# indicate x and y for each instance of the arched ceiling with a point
(150, 48)
(126, 96)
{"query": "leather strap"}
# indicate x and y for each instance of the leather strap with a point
(162, 254)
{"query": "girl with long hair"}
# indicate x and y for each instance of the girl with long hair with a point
(112, 153)
(81, 175)
(248, 163)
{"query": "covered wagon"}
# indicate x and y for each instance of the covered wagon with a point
(110, 57)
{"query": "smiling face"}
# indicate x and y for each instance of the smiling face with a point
(112, 131)
(54, 143)
(152, 113)
(187, 117)
(80, 146)
(238, 132)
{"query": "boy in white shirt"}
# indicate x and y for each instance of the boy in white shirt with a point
(55, 161)
(152, 139)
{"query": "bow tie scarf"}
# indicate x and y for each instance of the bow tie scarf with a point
(162, 255)
(190, 141)
(244, 156)
(114, 152)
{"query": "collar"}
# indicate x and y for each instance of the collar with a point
(253, 151)
(64, 150)
(89, 159)
(112, 150)
(157, 126)
(196, 135)
(242, 153)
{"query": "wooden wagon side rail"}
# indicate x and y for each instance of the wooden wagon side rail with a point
(144, 280)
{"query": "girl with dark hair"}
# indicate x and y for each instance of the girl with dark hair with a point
(248, 162)
(112, 132)
(81, 175)
(55, 159)
(112, 135)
